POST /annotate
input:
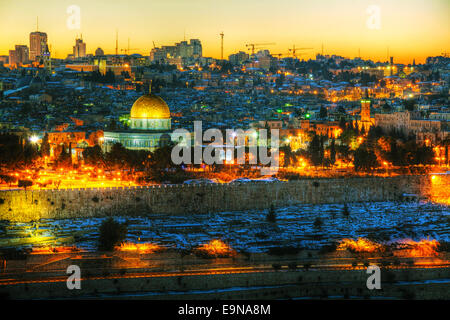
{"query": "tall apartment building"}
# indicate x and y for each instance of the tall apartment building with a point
(197, 50)
(18, 56)
(238, 58)
(183, 50)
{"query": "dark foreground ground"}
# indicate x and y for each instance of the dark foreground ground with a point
(310, 274)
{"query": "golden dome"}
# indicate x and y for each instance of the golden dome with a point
(150, 106)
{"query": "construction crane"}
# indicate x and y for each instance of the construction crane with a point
(293, 50)
(253, 46)
(127, 51)
(279, 55)
(300, 54)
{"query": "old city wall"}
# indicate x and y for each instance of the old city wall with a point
(28, 205)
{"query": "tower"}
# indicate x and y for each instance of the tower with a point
(19, 56)
(79, 49)
(366, 121)
(47, 60)
(365, 109)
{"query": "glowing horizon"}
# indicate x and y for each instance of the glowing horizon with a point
(409, 29)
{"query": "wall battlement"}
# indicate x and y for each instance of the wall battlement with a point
(29, 205)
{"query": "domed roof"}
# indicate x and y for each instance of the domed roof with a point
(150, 106)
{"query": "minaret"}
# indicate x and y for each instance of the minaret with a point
(365, 109)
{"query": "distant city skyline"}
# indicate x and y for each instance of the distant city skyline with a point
(409, 29)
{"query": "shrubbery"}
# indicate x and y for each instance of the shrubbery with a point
(25, 183)
(271, 216)
(111, 233)
(318, 222)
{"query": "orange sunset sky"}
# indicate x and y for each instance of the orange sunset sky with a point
(409, 28)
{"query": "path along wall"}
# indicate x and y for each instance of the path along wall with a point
(27, 205)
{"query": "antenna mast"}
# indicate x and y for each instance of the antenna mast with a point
(221, 45)
(117, 41)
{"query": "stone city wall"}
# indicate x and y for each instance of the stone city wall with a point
(29, 205)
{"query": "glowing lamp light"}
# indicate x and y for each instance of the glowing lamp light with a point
(34, 139)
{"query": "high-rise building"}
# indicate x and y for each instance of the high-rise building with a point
(196, 48)
(4, 60)
(238, 58)
(18, 56)
(79, 49)
(38, 44)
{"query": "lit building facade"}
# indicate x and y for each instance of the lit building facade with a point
(99, 52)
(410, 122)
(38, 44)
(365, 121)
(181, 50)
(19, 56)
(79, 49)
